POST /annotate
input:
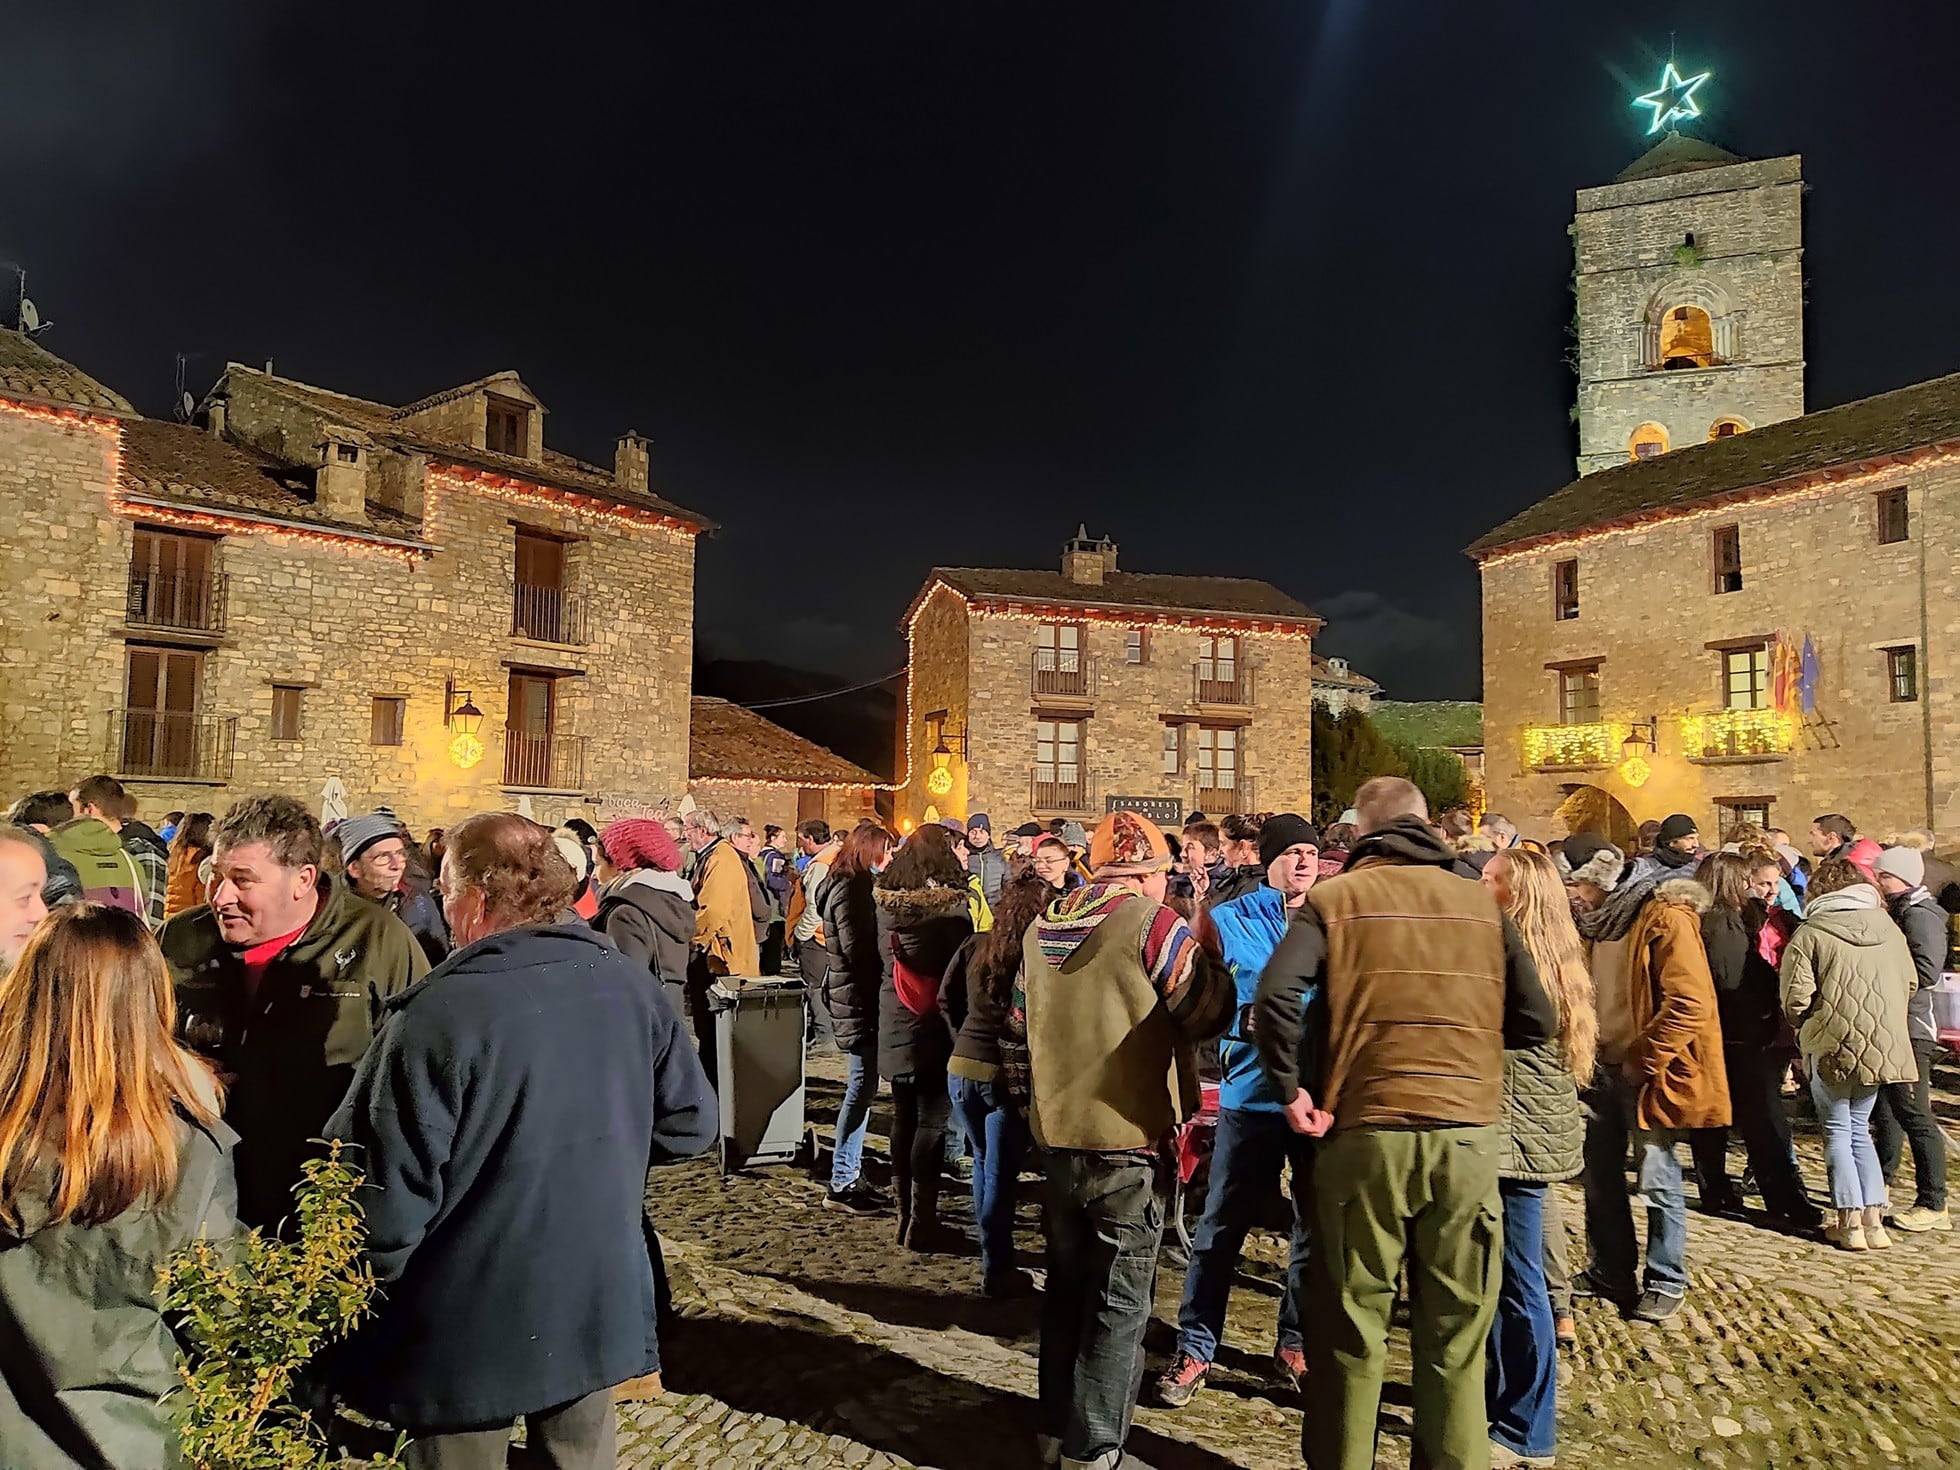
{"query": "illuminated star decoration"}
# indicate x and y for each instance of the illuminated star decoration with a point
(1673, 100)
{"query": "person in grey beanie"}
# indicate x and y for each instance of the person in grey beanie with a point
(1905, 1109)
(375, 853)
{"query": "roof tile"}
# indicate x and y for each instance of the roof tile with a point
(31, 371)
(730, 743)
(1143, 591)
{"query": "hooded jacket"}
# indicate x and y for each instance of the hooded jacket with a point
(1925, 924)
(108, 873)
(1847, 978)
(153, 862)
(86, 1356)
(1676, 1045)
(989, 865)
(649, 914)
(64, 884)
(290, 1046)
(1228, 885)
(1249, 930)
(505, 1117)
(1413, 1016)
(725, 925)
(923, 927)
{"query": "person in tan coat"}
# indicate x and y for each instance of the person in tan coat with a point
(1847, 975)
(1660, 1075)
(725, 948)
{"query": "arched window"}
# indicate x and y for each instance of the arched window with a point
(1727, 428)
(1647, 441)
(1687, 338)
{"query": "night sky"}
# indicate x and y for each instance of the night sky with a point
(1269, 289)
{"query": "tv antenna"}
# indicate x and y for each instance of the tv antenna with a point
(186, 401)
(27, 316)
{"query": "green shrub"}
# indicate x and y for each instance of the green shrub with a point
(253, 1312)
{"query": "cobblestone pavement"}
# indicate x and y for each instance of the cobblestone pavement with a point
(811, 1339)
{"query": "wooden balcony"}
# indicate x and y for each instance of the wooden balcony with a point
(1587, 747)
(163, 745)
(1229, 685)
(1738, 735)
(1217, 801)
(543, 762)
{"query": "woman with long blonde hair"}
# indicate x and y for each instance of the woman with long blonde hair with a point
(1545, 1139)
(112, 1158)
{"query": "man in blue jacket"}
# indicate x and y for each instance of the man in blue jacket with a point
(1253, 1138)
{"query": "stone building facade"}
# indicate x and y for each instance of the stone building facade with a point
(1338, 686)
(304, 587)
(1688, 279)
(1663, 601)
(741, 764)
(1067, 693)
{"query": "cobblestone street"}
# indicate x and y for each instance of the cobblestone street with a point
(811, 1339)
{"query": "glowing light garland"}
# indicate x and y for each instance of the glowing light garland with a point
(1571, 745)
(1738, 733)
(1673, 100)
(1814, 485)
(526, 492)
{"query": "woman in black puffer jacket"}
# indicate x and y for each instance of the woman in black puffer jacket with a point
(923, 919)
(850, 993)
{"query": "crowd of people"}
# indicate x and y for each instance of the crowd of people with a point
(1417, 1026)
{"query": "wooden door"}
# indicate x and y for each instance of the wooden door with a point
(528, 730)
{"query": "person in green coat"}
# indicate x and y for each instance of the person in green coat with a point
(112, 1159)
(281, 980)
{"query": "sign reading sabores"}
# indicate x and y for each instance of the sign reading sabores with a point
(1165, 811)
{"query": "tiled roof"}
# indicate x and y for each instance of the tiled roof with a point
(463, 390)
(1144, 591)
(1677, 153)
(1323, 673)
(729, 743)
(29, 370)
(195, 468)
(1643, 489)
(555, 469)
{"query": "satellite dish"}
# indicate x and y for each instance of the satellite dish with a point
(30, 318)
(186, 406)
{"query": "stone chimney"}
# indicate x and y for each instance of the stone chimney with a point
(1086, 560)
(215, 417)
(340, 485)
(630, 462)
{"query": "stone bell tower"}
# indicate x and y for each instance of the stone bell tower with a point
(1688, 269)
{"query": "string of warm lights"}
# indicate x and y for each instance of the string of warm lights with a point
(772, 783)
(1571, 745)
(1738, 732)
(527, 492)
(1812, 485)
(220, 523)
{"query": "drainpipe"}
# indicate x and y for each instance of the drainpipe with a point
(1924, 669)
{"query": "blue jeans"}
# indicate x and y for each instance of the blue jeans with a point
(1850, 1156)
(1105, 1224)
(1000, 1141)
(853, 1118)
(1521, 1358)
(1610, 1103)
(1246, 1155)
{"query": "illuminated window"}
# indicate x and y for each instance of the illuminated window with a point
(1745, 677)
(1728, 559)
(1565, 591)
(1647, 441)
(1687, 339)
(1902, 674)
(1727, 428)
(1578, 695)
(1741, 811)
(1894, 523)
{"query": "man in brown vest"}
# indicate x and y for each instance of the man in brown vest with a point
(1394, 993)
(1114, 990)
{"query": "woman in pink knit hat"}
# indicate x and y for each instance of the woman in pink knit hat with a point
(645, 906)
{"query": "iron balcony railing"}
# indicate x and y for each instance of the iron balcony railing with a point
(547, 614)
(1050, 794)
(162, 745)
(1221, 683)
(169, 600)
(1216, 800)
(549, 762)
(1064, 672)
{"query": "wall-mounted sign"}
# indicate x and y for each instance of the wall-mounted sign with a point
(1165, 811)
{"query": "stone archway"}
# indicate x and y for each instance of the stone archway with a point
(1588, 809)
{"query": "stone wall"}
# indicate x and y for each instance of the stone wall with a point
(763, 805)
(345, 623)
(1647, 608)
(936, 679)
(1122, 714)
(1746, 220)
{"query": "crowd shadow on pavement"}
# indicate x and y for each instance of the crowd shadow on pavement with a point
(931, 1308)
(884, 1400)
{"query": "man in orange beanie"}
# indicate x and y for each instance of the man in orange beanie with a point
(1115, 990)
